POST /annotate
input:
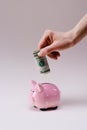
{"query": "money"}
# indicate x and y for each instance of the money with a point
(41, 62)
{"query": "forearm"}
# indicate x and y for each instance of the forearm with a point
(80, 30)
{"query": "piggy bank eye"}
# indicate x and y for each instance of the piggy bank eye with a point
(32, 90)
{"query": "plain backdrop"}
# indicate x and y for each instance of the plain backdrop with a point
(22, 23)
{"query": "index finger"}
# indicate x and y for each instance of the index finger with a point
(43, 41)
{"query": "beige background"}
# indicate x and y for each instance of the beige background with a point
(22, 23)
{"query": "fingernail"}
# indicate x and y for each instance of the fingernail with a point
(40, 53)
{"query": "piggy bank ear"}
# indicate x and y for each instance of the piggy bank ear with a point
(33, 83)
(39, 87)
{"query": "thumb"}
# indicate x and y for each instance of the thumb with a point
(47, 50)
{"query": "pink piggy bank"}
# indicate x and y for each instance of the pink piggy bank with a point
(44, 96)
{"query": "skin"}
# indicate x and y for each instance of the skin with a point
(53, 42)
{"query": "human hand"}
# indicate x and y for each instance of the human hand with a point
(52, 42)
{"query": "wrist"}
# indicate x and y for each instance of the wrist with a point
(72, 36)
